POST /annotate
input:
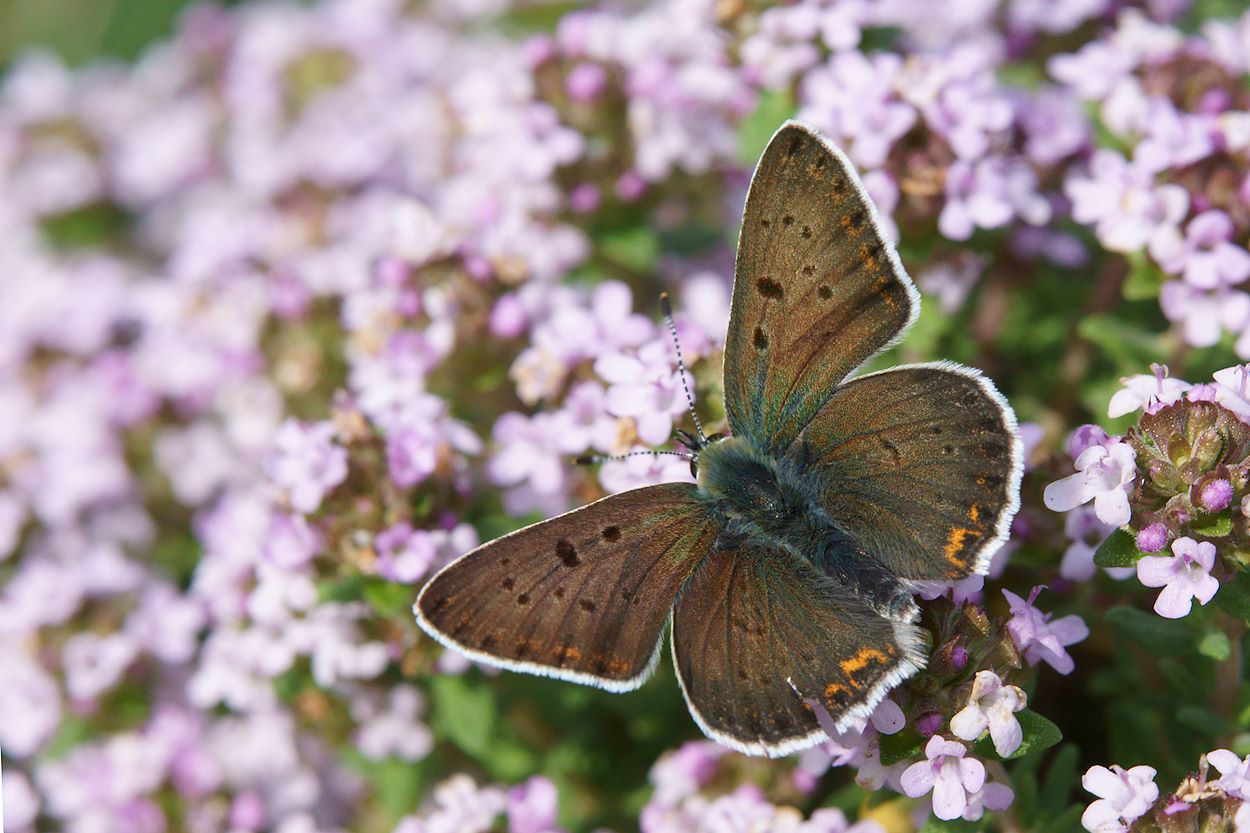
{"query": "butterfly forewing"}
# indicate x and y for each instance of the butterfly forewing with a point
(758, 630)
(818, 288)
(921, 465)
(583, 596)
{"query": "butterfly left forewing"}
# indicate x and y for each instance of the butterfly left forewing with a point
(757, 630)
(921, 465)
(583, 596)
(818, 289)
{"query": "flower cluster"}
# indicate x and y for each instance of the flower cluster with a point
(1177, 482)
(1130, 799)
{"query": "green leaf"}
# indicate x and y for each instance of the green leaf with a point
(1215, 645)
(1233, 597)
(773, 108)
(1144, 279)
(463, 712)
(389, 598)
(1213, 526)
(1039, 734)
(1162, 637)
(347, 588)
(636, 248)
(900, 746)
(1205, 721)
(1127, 344)
(1057, 785)
(1119, 550)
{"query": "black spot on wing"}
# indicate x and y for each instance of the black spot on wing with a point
(567, 553)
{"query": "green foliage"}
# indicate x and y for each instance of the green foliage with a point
(1119, 550)
(1163, 637)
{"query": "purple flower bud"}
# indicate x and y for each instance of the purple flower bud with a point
(959, 658)
(584, 198)
(585, 82)
(1215, 494)
(1152, 537)
(929, 724)
(630, 186)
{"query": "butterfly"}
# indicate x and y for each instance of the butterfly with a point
(785, 570)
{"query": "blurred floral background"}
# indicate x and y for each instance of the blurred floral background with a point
(299, 302)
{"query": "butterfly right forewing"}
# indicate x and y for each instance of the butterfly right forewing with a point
(583, 596)
(818, 288)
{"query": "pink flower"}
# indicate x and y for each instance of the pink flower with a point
(1102, 473)
(532, 806)
(1206, 256)
(307, 463)
(1038, 638)
(1204, 313)
(646, 386)
(404, 554)
(1234, 773)
(1149, 391)
(1123, 796)
(1184, 576)
(992, 706)
(1233, 389)
(950, 776)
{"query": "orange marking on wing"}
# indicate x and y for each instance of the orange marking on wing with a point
(955, 543)
(859, 662)
(834, 689)
(974, 514)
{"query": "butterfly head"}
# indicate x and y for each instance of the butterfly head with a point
(694, 445)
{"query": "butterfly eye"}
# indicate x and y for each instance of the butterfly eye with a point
(694, 467)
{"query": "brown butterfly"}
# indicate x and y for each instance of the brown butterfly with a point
(785, 569)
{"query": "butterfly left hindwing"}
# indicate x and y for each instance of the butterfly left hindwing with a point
(583, 596)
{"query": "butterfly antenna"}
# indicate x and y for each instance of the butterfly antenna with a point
(667, 309)
(591, 459)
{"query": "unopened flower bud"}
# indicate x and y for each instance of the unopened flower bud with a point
(1213, 494)
(1152, 537)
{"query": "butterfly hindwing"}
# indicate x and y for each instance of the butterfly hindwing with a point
(583, 596)
(818, 288)
(921, 465)
(757, 629)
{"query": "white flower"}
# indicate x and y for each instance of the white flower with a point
(992, 706)
(1102, 472)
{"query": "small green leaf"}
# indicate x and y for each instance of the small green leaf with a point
(464, 713)
(1162, 637)
(1213, 526)
(1039, 734)
(389, 598)
(1215, 645)
(1205, 721)
(1060, 776)
(773, 108)
(1233, 597)
(900, 746)
(1127, 344)
(637, 248)
(1145, 278)
(343, 589)
(1119, 550)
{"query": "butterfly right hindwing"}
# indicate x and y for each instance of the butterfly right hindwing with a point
(757, 630)
(921, 465)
